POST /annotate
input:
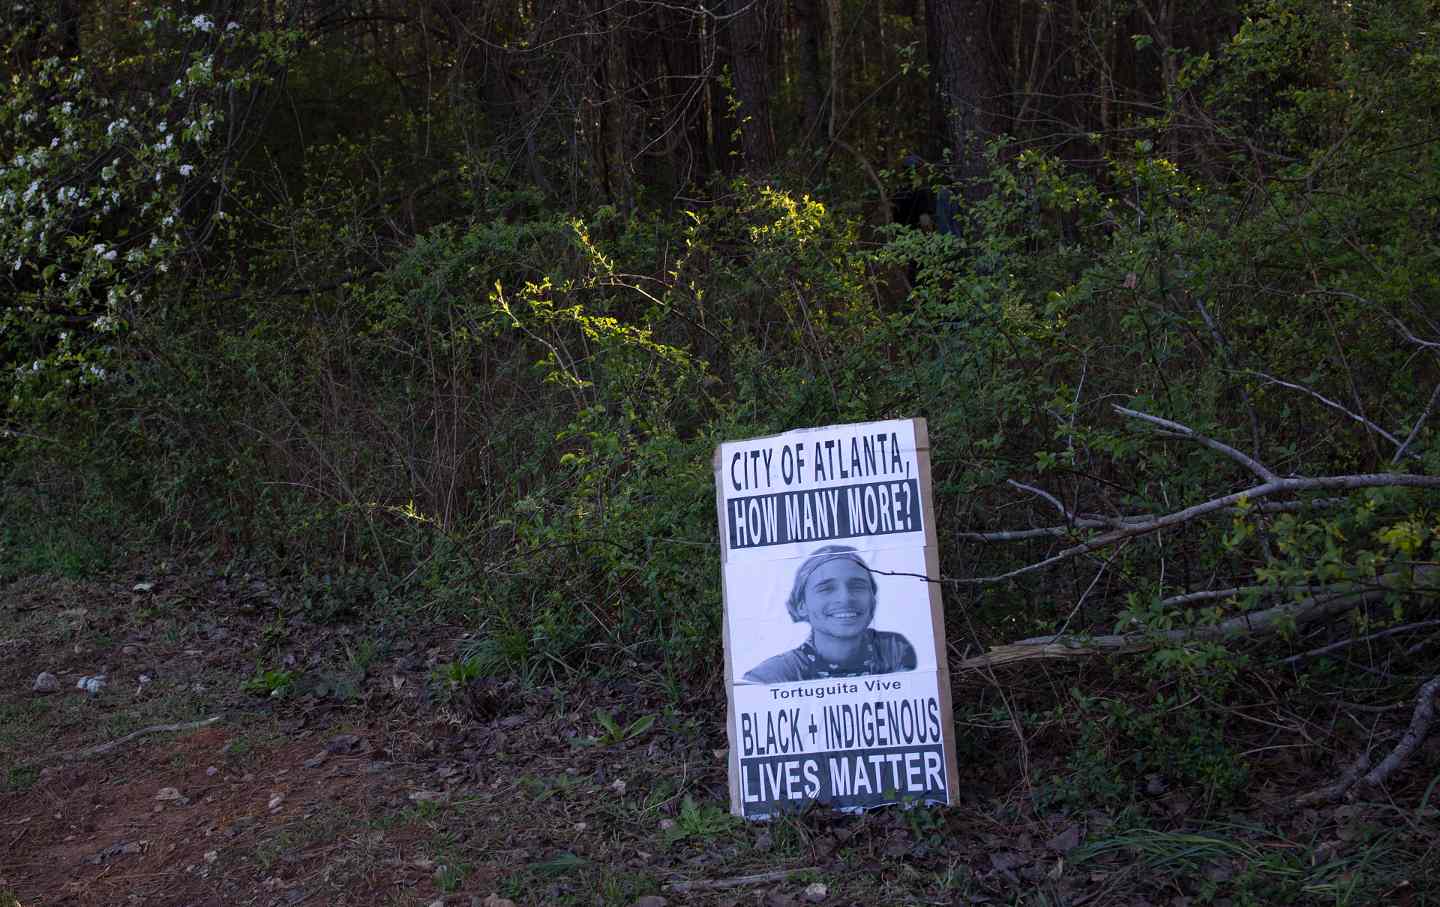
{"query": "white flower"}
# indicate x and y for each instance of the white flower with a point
(110, 256)
(99, 249)
(231, 26)
(186, 169)
(203, 23)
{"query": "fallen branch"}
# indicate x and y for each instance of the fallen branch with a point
(1265, 489)
(1093, 521)
(102, 749)
(1042, 493)
(1429, 408)
(1340, 408)
(1175, 429)
(1346, 643)
(1255, 623)
(1414, 735)
(759, 878)
(1332, 792)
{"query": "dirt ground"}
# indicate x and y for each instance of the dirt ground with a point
(363, 769)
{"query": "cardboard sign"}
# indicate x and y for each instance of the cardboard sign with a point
(835, 664)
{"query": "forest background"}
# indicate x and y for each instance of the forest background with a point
(439, 309)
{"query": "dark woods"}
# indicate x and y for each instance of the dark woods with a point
(457, 297)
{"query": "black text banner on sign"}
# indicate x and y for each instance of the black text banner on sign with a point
(834, 639)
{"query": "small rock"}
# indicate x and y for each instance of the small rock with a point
(45, 682)
(581, 826)
(275, 800)
(1219, 872)
(316, 760)
(169, 793)
(130, 650)
(1066, 841)
(142, 587)
(650, 900)
(618, 786)
(667, 824)
(211, 771)
(495, 900)
(816, 892)
(1005, 860)
(211, 856)
(144, 679)
(91, 684)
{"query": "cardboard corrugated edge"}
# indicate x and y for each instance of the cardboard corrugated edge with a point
(937, 607)
(732, 756)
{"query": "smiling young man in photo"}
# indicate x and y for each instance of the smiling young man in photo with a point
(834, 592)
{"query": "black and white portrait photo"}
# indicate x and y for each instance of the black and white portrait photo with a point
(829, 614)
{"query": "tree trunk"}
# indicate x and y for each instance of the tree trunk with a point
(617, 115)
(837, 105)
(753, 29)
(807, 62)
(959, 52)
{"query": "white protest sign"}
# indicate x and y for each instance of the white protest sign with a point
(834, 639)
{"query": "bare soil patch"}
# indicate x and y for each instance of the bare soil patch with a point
(370, 778)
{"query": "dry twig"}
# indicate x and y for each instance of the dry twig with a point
(1414, 735)
(1332, 792)
(1255, 623)
(759, 878)
(1346, 643)
(102, 749)
(1271, 485)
